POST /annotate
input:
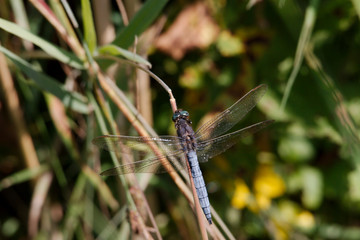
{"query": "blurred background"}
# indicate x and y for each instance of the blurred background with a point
(72, 71)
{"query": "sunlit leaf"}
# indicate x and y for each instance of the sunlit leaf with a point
(114, 50)
(312, 192)
(229, 45)
(295, 149)
(192, 77)
(354, 186)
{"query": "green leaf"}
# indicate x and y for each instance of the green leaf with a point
(89, 29)
(356, 4)
(73, 100)
(354, 187)
(312, 187)
(229, 45)
(52, 50)
(143, 18)
(296, 149)
(115, 51)
(22, 176)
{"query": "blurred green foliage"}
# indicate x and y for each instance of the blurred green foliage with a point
(297, 179)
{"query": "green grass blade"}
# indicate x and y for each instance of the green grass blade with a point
(52, 50)
(73, 100)
(62, 16)
(101, 187)
(75, 208)
(141, 21)
(306, 31)
(89, 29)
(22, 176)
(117, 51)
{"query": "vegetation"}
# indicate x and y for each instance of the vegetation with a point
(70, 73)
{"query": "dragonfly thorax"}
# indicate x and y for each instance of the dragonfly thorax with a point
(185, 133)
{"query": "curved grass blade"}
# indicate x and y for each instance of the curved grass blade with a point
(54, 51)
(306, 31)
(73, 100)
(116, 51)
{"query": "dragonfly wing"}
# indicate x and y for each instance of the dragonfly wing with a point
(151, 165)
(215, 146)
(228, 118)
(115, 143)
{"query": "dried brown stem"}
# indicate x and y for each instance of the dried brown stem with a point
(37, 202)
(12, 102)
(123, 12)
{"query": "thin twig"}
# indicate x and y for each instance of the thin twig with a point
(151, 216)
(221, 224)
(162, 83)
(153, 75)
(123, 12)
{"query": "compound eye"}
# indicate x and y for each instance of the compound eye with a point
(184, 113)
(175, 116)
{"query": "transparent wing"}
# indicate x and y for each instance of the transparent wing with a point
(169, 146)
(166, 144)
(228, 118)
(215, 146)
(151, 165)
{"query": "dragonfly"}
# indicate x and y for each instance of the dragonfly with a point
(189, 145)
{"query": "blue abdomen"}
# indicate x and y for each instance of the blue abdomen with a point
(199, 184)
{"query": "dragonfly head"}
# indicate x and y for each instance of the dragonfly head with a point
(180, 114)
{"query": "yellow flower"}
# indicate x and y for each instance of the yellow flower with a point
(267, 183)
(280, 233)
(241, 194)
(262, 201)
(305, 220)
